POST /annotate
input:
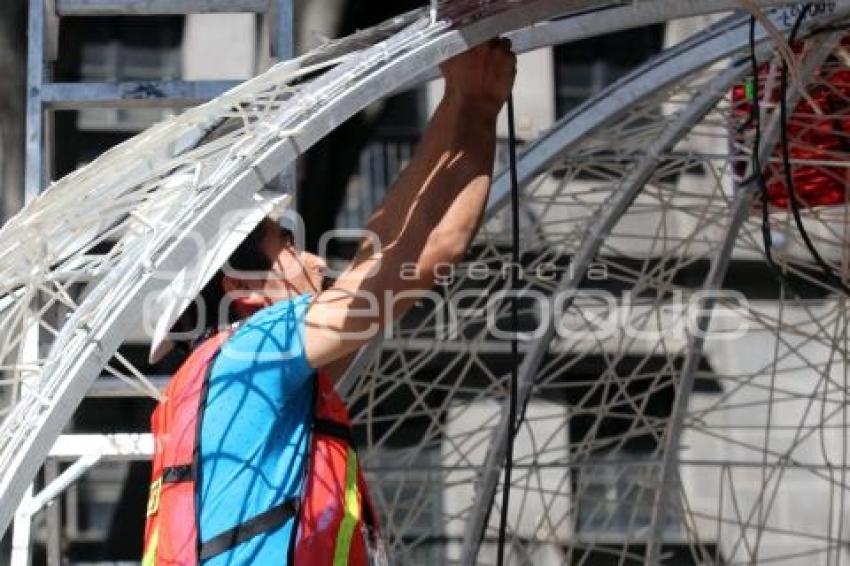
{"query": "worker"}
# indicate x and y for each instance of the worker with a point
(254, 462)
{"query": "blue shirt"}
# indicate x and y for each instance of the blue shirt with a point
(255, 430)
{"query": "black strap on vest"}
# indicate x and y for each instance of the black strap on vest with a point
(267, 520)
(264, 522)
(331, 428)
(177, 474)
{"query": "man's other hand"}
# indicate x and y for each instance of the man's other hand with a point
(417, 224)
(484, 74)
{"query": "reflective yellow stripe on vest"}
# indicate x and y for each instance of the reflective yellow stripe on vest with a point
(149, 559)
(153, 497)
(352, 511)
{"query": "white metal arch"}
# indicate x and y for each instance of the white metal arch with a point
(90, 337)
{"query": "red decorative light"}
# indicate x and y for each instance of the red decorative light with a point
(813, 136)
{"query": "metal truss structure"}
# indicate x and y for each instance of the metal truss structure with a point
(673, 413)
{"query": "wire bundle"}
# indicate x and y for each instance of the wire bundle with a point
(787, 64)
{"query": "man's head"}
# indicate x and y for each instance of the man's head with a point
(266, 267)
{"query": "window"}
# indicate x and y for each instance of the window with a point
(120, 52)
(584, 68)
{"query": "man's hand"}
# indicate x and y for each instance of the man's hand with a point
(484, 74)
(429, 216)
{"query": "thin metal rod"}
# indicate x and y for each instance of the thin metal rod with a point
(156, 7)
(145, 94)
(57, 486)
(21, 532)
(667, 486)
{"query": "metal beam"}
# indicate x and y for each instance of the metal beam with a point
(608, 20)
(21, 532)
(54, 519)
(34, 504)
(283, 48)
(283, 29)
(28, 354)
(33, 177)
(741, 209)
(147, 94)
(112, 387)
(156, 7)
(118, 446)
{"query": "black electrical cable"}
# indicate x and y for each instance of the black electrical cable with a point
(793, 199)
(755, 161)
(757, 169)
(514, 283)
(757, 174)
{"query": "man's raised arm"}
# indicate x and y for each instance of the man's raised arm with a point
(429, 216)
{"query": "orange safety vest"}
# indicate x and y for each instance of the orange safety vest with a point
(336, 525)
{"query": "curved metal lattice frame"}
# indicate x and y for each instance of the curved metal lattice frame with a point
(610, 187)
(632, 168)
